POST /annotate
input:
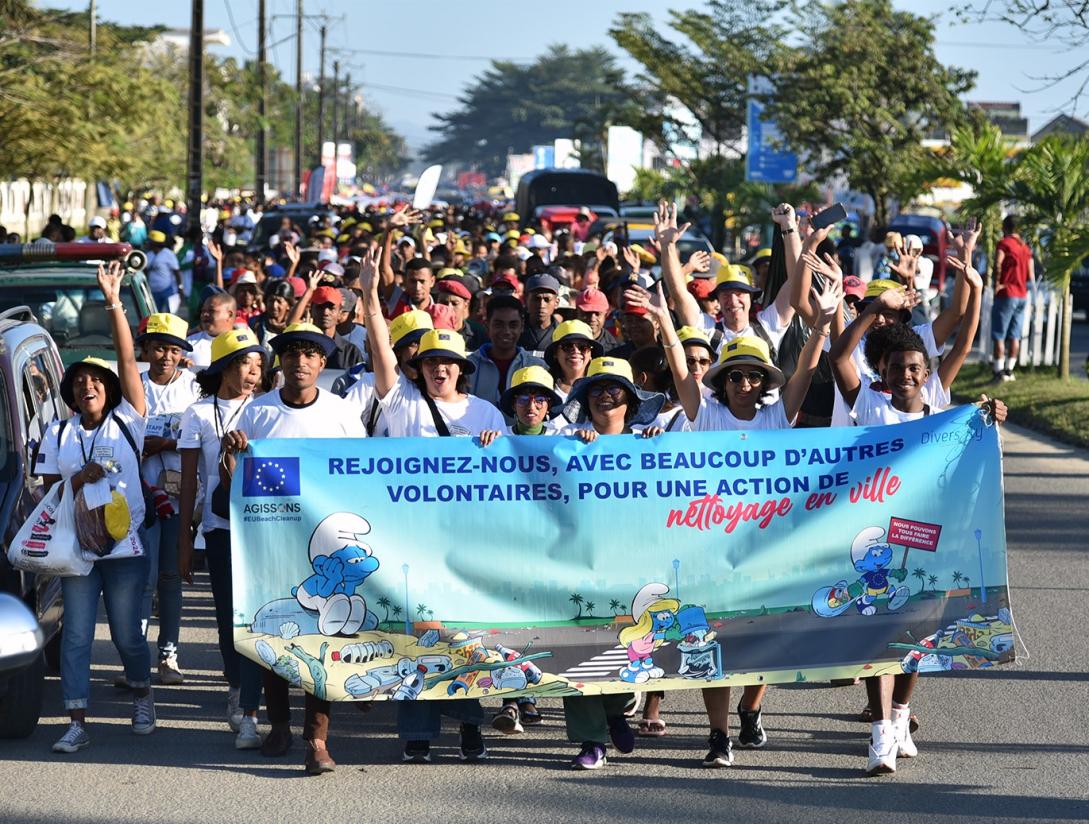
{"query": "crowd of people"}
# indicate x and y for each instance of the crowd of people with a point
(465, 322)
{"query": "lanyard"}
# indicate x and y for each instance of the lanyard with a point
(79, 436)
(221, 428)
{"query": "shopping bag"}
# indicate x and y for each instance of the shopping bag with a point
(128, 547)
(47, 542)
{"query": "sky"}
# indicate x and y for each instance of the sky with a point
(414, 64)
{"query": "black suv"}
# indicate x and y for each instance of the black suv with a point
(30, 373)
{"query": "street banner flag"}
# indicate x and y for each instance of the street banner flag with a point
(421, 569)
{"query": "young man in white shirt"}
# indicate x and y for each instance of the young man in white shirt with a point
(217, 314)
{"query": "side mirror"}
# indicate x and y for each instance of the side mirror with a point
(21, 638)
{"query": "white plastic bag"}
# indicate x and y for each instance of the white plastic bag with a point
(47, 542)
(128, 547)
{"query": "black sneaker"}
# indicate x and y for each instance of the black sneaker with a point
(752, 735)
(417, 752)
(721, 753)
(472, 743)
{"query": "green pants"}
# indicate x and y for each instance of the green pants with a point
(587, 716)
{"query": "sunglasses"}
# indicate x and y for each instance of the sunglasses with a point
(614, 391)
(693, 362)
(575, 346)
(755, 377)
(527, 399)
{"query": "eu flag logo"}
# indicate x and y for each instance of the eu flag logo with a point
(266, 477)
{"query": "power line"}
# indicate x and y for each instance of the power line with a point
(234, 28)
(431, 56)
(417, 92)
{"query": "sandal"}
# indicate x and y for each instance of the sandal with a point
(652, 728)
(529, 714)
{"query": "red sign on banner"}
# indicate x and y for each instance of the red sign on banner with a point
(914, 534)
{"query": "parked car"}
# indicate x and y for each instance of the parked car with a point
(30, 373)
(300, 215)
(565, 187)
(59, 282)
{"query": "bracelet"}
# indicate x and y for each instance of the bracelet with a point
(671, 345)
(822, 332)
(113, 306)
(790, 231)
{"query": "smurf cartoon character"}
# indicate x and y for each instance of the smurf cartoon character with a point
(341, 563)
(870, 556)
(653, 615)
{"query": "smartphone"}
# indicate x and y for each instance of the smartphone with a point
(831, 215)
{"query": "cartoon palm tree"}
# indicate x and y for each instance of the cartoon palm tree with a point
(920, 573)
(384, 602)
(968, 583)
(957, 578)
(397, 611)
(933, 581)
(421, 610)
(614, 606)
(576, 599)
(590, 609)
(431, 615)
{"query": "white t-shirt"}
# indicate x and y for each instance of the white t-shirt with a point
(327, 416)
(934, 395)
(105, 445)
(715, 416)
(165, 406)
(842, 414)
(873, 408)
(361, 394)
(673, 420)
(769, 318)
(408, 415)
(201, 356)
(203, 426)
(573, 428)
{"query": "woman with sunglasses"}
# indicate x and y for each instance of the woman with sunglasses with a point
(739, 384)
(605, 402)
(569, 354)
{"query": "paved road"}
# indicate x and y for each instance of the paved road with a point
(1000, 746)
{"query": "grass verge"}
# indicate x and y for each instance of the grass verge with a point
(1037, 400)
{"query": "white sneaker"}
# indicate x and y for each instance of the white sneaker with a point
(901, 720)
(882, 749)
(169, 674)
(143, 715)
(75, 738)
(234, 708)
(248, 738)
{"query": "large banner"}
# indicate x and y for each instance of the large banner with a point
(412, 569)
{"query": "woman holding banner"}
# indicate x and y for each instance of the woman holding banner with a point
(433, 404)
(739, 384)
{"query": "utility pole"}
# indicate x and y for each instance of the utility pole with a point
(92, 30)
(321, 98)
(336, 117)
(298, 95)
(260, 155)
(194, 179)
(346, 127)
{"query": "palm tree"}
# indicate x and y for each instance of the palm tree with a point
(421, 610)
(1051, 188)
(431, 615)
(576, 599)
(590, 609)
(933, 581)
(957, 578)
(920, 573)
(384, 602)
(968, 583)
(614, 606)
(397, 611)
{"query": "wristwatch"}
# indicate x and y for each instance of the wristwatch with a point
(790, 231)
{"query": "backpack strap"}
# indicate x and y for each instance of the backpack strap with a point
(762, 333)
(440, 422)
(128, 436)
(60, 431)
(372, 419)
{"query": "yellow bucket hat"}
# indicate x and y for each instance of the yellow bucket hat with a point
(531, 377)
(234, 343)
(735, 277)
(742, 350)
(168, 328)
(409, 327)
(443, 343)
(691, 335)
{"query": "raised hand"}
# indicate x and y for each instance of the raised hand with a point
(898, 299)
(632, 259)
(216, 251)
(700, 261)
(666, 231)
(826, 266)
(405, 217)
(109, 280)
(314, 279)
(824, 305)
(292, 252)
(784, 216)
(368, 270)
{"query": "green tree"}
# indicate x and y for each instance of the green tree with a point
(576, 599)
(1051, 187)
(920, 573)
(384, 602)
(511, 107)
(957, 578)
(933, 581)
(614, 606)
(397, 611)
(861, 91)
(421, 610)
(590, 606)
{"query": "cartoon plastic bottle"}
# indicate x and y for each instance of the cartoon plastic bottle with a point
(411, 686)
(532, 671)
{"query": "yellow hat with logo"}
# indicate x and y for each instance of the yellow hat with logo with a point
(443, 343)
(741, 350)
(302, 333)
(571, 330)
(168, 328)
(234, 343)
(876, 287)
(735, 277)
(410, 327)
(615, 370)
(531, 377)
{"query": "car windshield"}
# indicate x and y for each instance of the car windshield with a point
(73, 315)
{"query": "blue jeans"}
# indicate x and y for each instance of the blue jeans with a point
(161, 543)
(422, 720)
(121, 583)
(239, 671)
(1006, 315)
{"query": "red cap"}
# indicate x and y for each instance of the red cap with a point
(442, 316)
(635, 310)
(299, 285)
(592, 299)
(452, 286)
(701, 288)
(508, 280)
(854, 286)
(327, 294)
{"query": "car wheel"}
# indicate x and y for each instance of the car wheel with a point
(21, 700)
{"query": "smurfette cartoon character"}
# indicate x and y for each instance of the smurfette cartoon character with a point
(341, 562)
(653, 615)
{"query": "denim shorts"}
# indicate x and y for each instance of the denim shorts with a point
(1006, 315)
